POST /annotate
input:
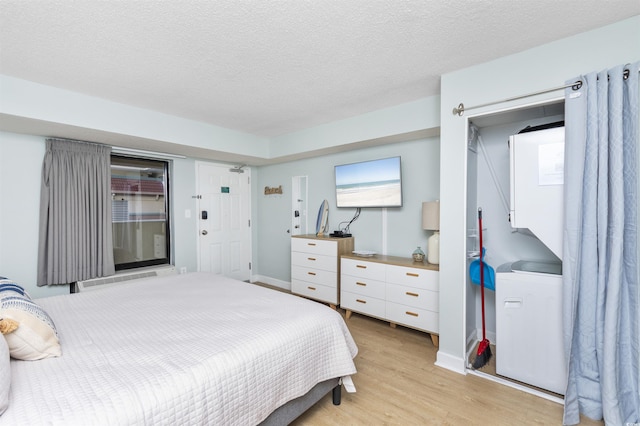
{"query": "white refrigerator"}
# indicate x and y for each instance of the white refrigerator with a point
(529, 343)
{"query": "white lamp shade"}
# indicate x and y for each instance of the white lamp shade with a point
(431, 215)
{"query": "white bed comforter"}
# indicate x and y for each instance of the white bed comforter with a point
(179, 350)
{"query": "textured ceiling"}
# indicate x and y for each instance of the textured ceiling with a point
(273, 67)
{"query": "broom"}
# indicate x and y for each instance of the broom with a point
(484, 347)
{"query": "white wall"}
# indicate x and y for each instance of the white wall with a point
(384, 123)
(420, 180)
(20, 172)
(536, 69)
(20, 178)
(533, 70)
(85, 117)
(30, 100)
(184, 230)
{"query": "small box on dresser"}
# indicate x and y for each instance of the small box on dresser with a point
(394, 289)
(315, 266)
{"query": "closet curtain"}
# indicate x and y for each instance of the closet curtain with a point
(75, 213)
(600, 253)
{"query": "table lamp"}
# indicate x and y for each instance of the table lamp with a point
(431, 222)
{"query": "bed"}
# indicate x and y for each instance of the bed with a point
(185, 349)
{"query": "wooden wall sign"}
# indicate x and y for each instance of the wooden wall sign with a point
(270, 191)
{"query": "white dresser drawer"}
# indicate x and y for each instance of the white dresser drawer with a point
(315, 261)
(363, 286)
(411, 296)
(307, 245)
(364, 269)
(315, 291)
(317, 276)
(413, 317)
(414, 277)
(363, 304)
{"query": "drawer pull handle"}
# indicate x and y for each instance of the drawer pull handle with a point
(311, 244)
(413, 314)
(362, 284)
(311, 258)
(408, 293)
(361, 266)
(361, 301)
(311, 273)
(410, 274)
(311, 288)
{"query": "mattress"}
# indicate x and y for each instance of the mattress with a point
(185, 349)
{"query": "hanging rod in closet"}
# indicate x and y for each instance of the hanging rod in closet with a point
(460, 109)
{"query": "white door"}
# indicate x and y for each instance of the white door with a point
(223, 220)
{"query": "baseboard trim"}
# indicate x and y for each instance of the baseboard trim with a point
(450, 362)
(520, 387)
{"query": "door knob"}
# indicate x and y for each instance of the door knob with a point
(204, 232)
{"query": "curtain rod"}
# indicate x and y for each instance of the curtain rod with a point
(123, 150)
(460, 109)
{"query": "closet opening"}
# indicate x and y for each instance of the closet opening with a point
(510, 246)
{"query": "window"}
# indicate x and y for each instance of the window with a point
(140, 212)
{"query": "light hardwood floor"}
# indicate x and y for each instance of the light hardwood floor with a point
(398, 384)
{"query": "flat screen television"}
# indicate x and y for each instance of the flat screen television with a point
(375, 183)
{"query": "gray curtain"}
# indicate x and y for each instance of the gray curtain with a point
(600, 254)
(75, 213)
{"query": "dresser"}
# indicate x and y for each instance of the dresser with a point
(315, 266)
(394, 289)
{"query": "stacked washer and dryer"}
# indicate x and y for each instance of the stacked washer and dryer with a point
(529, 293)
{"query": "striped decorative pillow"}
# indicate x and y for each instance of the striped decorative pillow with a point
(9, 285)
(5, 376)
(36, 336)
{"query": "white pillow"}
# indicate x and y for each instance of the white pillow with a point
(36, 336)
(5, 375)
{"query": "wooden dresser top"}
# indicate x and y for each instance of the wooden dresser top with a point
(394, 260)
